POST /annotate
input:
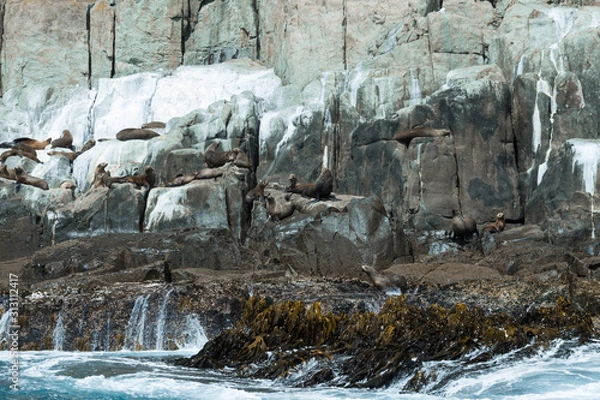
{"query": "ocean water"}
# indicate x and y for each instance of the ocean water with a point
(563, 371)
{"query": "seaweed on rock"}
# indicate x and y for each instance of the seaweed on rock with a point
(375, 349)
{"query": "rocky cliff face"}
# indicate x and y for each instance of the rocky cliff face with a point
(503, 97)
(512, 81)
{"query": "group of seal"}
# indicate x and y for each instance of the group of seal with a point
(463, 228)
(320, 189)
(214, 158)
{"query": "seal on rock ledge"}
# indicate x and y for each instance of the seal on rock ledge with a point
(101, 176)
(420, 131)
(146, 179)
(463, 227)
(33, 143)
(23, 177)
(385, 282)
(65, 141)
(279, 210)
(258, 192)
(135, 133)
(496, 226)
(214, 159)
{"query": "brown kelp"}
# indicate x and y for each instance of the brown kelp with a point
(373, 349)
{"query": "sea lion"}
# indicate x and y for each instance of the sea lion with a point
(296, 184)
(463, 227)
(7, 173)
(496, 226)
(385, 282)
(180, 180)
(154, 125)
(420, 131)
(214, 159)
(33, 143)
(17, 151)
(135, 133)
(146, 179)
(101, 176)
(65, 141)
(258, 192)
(322, 188)
(241, 159)
(279, 210)
(209, 173)
(87, 145)
(71, 155)
(23, 177)
(68, 185)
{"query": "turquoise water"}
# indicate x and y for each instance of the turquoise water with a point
(560, 372)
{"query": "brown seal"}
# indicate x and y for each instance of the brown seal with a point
(214, 158)
(87, 145)
(65, 141)
(180, 180)
(154, 125)
(463, 227)
(279, 210)
(322, 188)
(20, 150)
(136, 133)
(420, 131)
(385, 282)
(23, 177)
(33, 143)
(7, 173)
(258, 192)
(146, 179)
(496, 226)
(71, 155)
(209, 173)
(241, 159)
(101, 176)
(296, 184)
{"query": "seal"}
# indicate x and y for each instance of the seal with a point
(463, 227)
(146, 179)
(101, 176)
(241, 158)
(65, 141)
(496, 226)
(87, 145)
(214, 158)
(258, 192)
(33, 143)
(209, 173)
(70, 186)
(279, 210)
(136, 133)
(7, 173)
(154, 125)
(296, 184)
(385, 282)
(322, 188)
(420, 131)
(20, 150)
(23, 177)
(71, 155)
(180, 180)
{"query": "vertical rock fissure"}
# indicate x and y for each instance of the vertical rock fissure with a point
(89, 41)
(114, 43)
(2, 9)
(257, 19)
(345, 33)
(458, 191)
